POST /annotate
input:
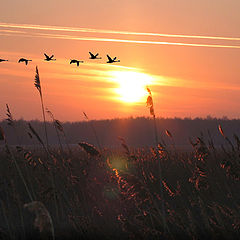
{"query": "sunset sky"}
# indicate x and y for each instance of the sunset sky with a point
(186, 52)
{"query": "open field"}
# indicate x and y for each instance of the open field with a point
(55, 185)
(129, 193)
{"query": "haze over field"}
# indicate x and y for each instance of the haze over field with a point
(187, 52)
(137, 132)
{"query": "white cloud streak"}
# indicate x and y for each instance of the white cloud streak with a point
(104, 31)
(98, 39)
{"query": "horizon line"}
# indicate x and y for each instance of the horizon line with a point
(223, 118)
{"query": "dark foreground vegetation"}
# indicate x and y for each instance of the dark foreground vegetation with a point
(140, 193)
(83, 192)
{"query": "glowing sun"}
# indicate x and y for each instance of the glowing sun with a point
(131, 86)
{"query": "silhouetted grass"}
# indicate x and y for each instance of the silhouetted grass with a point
(128, 193)
(116, 194)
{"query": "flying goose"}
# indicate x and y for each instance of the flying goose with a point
(92, 56)
(110, 60)
(24, 60)
(49, 58)
(76, 61)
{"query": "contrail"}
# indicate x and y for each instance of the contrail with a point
(92, 30)
(10, 31)
(69, 37)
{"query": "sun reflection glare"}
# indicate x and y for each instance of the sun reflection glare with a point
(131, 85)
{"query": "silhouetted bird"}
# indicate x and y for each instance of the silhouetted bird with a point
(76, 61)
(92, 56)
(49, 58)
(110, 60)
(24, 60)
(3, 60)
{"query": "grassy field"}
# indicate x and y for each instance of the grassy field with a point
(154, 193)
(88, 192)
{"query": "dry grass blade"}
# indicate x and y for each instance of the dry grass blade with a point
(93, 129)
(43, 220)
(168, 190)
(90, 149)
(26, 154)
(85, 115)
(221, 131)
(39, 139)
(124, 145)
(237, 140)
(50, 113)
(168, 133)
(30, 135)
(56, 122)
(226, 138)
(2, 135)
(58, 125)
(35, 133)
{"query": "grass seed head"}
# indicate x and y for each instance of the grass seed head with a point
(37, 81)
(90, 149)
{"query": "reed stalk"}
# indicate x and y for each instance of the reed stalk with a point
(152, 112)
(58, 127)
(9, 151)
(93, 129)
(39, 88)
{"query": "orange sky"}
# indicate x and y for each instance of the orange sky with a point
(189, 75)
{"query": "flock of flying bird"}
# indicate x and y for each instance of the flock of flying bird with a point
(50, 58)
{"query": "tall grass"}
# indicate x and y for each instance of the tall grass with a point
(117, 193)
(159, 148)
(141, 193)
(93, 129)
(58, 128)
(37, 84)
(19, 171)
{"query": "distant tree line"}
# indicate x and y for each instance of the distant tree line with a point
(137, 132)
